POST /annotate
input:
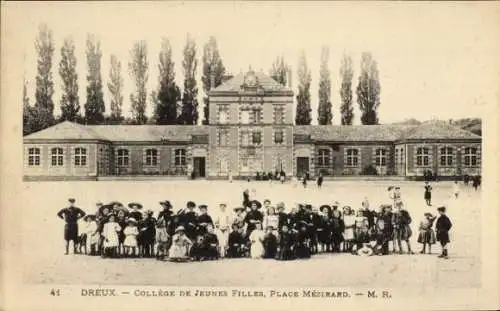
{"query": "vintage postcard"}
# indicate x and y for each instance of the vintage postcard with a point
(249, 155)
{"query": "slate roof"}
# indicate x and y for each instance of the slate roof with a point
(386, 132)
(335, 133)
(73, 131)
(264, 81)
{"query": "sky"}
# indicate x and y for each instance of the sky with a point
(436, 60)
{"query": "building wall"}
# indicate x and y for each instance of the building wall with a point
(457, 168)
(68, 168)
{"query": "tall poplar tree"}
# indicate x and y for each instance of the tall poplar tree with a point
(44, 105)
(115, 87)
(213, 73)
(138, 68)
(189, 114)
(94, 106)
(168, 94)
(303, 112)
(29, 113)
(325, 89)
(368, 90)
(346, 75)
(279, 70)
(70, 103)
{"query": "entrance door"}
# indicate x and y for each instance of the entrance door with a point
(302, 166)
(199, 166)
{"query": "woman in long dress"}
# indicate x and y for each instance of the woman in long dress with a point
(256, 239)
(349, 224)
(110, 232)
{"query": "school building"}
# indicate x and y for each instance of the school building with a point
(251, 131)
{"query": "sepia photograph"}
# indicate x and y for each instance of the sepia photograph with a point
(226, 146)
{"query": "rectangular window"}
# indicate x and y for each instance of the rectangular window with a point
(380, 158)
(278, 136)
(422, 156)
(470, 156)
(446, 156)
(255, 116)
(223, 114)
(279, 115)
(324, 157)
(256, 138)
(80, 157)
(223, 137)
(180, 157)
(151, 157)
(122, 157)
(396, 155)
(34, 156)
(57, 157)
(352, 157)
(245, 117)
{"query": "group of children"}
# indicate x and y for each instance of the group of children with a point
(254, 230)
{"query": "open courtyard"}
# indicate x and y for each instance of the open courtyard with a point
(45, 262)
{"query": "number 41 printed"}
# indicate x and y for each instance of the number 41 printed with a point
(55, 292)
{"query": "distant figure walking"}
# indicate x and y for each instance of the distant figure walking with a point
(456, 189)
(71, 215)
(304, 181)
(319, 181)
(428, 193)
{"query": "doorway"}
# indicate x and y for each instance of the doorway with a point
(302, 166)
(199, 166)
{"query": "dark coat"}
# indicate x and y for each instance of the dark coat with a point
(236, 241)
(253, 215)
(443, 226)
(286, 242)
(270, 245)
(203, 219)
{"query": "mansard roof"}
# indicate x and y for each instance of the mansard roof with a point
(251, 81)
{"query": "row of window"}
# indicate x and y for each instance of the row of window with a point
(122, 157)
(251, 115)
(57, 157)
(151, 157)
(249, 138)
(446, 157)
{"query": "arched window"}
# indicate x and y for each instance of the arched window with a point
(446, 156)
(352, 157)
(470, 156)
(180, 157)
(380, 158)
(34, 156)
(122, 157)
(57, 156)
(323, 157)
(80, 157)
(422, 156)
(151, 157)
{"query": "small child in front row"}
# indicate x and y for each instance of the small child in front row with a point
(426, 234)
(270, 243)
(131, 232)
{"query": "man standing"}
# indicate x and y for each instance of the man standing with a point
(71, 215)
(222, 225)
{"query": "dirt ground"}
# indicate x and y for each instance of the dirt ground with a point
(45, 262)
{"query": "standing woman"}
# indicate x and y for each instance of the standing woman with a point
(319, 181)
(427, 193)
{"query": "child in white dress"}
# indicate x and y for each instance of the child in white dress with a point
(110, 233)
(456, 189)
(349, 224)
(92, 234)
(131, 232)
(256, 238)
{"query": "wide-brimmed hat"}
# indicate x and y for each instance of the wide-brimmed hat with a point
(222, 204)
(280, 205)
(98, 203)
(89, 216)
(135, 204)
(203, 206)
(327, 207)
(131, 219)
(166, 204)
(427, 214)
(180, 228)
(259, 205)
(336, 203)
(267, 200)
(71, 200)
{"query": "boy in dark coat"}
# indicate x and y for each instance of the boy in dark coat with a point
(71, 215)
(236, 242)
(188, 220)
(319, 181)
(204, 220)
(443, 226)
(286, 243)
(210, 244)
(282, 216)
(147, 234)
(270, 243)
(301, 249)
